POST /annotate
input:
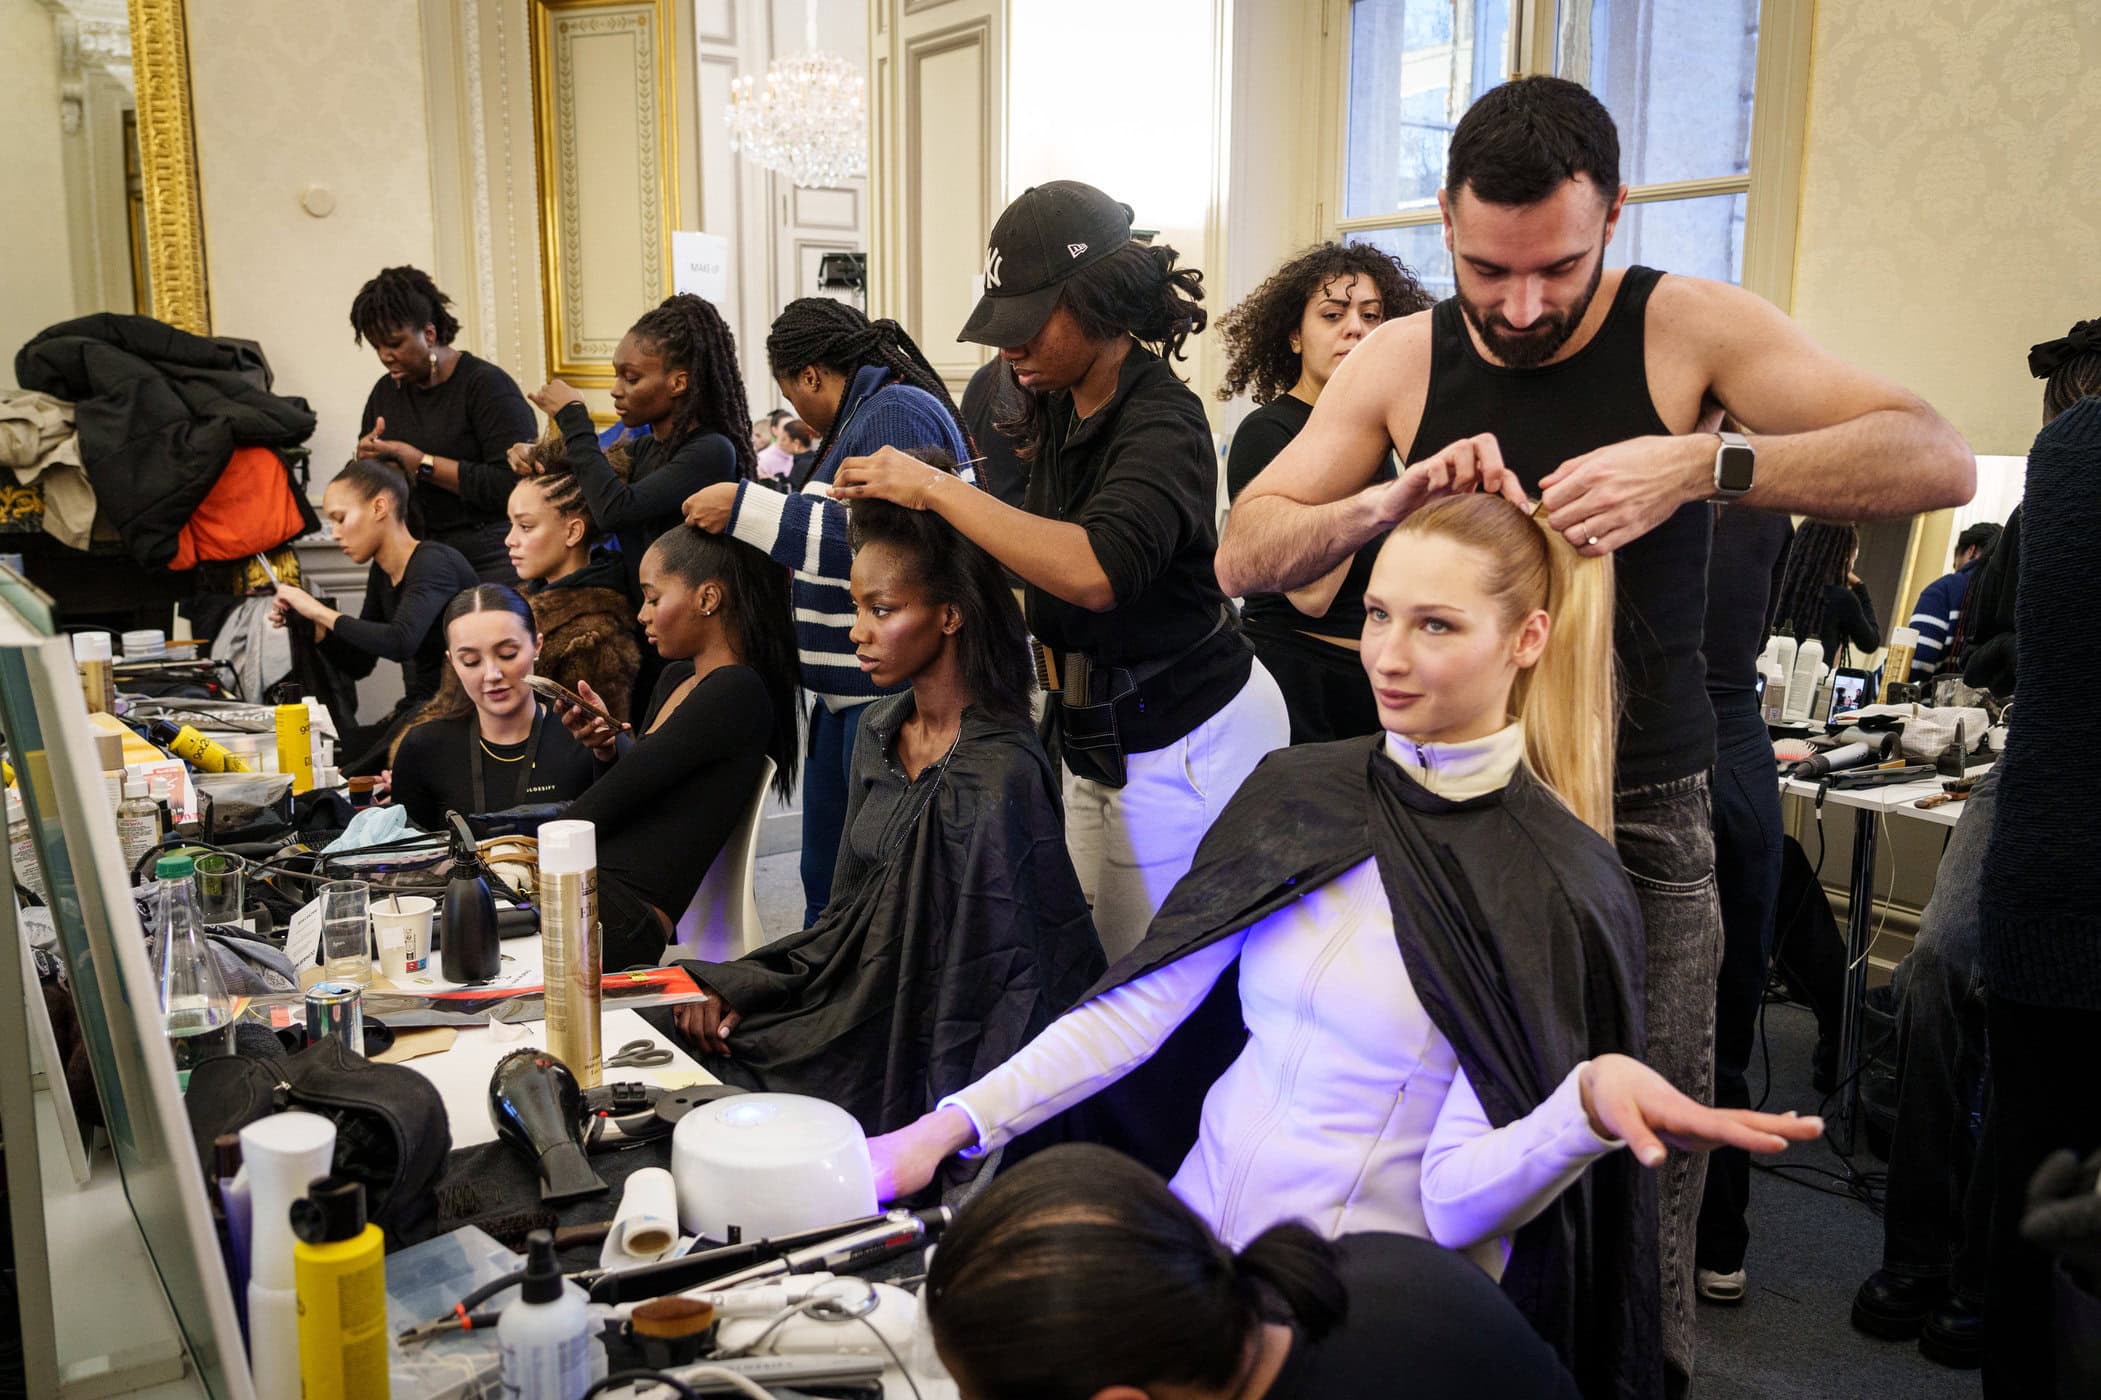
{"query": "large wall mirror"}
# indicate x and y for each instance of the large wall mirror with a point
(102, 210)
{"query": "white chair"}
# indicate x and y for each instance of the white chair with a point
(722, 922)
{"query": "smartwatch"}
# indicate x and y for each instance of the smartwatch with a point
(1735, 463)
(429, 464)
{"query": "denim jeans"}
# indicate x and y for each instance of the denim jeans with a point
(1666, 843)
(1937, 1206)
(825, 772)
(1747, 834)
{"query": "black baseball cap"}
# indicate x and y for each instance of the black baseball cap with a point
(1047, 234)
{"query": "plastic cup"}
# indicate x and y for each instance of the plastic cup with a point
(402, 925)
(221, 886)
(346, 933)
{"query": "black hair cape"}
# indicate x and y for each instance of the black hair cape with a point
(940, 961)
(1523, 941)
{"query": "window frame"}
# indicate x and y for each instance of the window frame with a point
(1779, 123)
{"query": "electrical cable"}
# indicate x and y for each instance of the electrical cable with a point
(641, 1374)
(829, 1307)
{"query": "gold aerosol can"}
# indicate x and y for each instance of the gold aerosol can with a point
(569, 946)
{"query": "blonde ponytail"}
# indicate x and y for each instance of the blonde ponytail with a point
(1567, 701)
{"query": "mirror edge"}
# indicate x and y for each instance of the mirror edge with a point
(168, 164)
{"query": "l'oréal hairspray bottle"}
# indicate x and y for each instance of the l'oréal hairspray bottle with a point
(569, 945)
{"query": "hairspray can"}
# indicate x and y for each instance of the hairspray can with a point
(569, 945)
(295, 746)
(1896, 665)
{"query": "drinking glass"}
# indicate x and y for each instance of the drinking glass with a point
(346, 931)
(221, 884)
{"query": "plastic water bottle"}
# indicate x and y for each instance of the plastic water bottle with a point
(195, 1009)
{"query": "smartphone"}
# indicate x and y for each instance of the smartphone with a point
(1849, 689)
(555, 690)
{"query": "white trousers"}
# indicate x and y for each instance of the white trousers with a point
(1130, 844)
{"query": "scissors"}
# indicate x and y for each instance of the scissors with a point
(637, 1053)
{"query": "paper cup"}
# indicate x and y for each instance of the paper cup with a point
(402, 924)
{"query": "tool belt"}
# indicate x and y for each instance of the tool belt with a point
(1080, 722)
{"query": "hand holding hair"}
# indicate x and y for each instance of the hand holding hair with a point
(1468, 465)
(520, 456)
(709, 508)
(888, 475)
(1625, 1099)
(1604, 500)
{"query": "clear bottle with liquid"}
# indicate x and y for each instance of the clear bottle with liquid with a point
(196, 1010)
(138, 824)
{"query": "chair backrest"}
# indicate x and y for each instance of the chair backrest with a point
(722, 922)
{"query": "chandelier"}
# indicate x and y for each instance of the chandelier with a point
(807, 119)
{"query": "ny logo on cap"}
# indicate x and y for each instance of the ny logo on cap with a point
(992, 262)
(1075, 248)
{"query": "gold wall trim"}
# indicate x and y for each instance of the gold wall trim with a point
(160, 57)
(572, 355)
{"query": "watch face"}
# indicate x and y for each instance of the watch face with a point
(1733, 468)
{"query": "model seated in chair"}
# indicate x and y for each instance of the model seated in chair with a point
(485, 743)
(676, 791)
(586, 624)
(956, 928)
(1439, 962)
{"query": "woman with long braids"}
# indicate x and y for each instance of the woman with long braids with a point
(441, 416)
(1821, 596)
(717, 612)
(1285, 339)
(1161, 709)
(863, 385)
(674, 373)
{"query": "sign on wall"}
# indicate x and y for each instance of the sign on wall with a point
(700, 264)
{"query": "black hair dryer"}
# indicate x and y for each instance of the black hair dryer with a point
(538, 1108)
(468, 943)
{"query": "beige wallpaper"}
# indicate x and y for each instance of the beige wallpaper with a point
(1951, 208)
(36, 275)
(290, 94)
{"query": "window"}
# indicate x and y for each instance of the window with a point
(1680, 78)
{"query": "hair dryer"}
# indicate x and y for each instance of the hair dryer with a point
(538, 1108)
(1846, 756)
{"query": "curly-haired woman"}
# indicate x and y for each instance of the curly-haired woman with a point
(1286, 338)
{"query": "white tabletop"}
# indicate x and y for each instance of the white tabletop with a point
(1898, 799)
(462, 1073)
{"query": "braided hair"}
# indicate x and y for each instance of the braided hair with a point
(555, 477)
(688, 333)
(1135, 291)
(2072, 374)
(400, 297)
(1820, 556)
(1258, 331)
(835, 336)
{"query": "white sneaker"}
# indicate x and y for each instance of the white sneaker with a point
(1719, 1288)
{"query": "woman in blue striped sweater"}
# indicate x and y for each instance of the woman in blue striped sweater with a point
(863, 385)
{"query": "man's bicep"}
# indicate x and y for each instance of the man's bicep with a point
(1774, 378)
(1376, 393)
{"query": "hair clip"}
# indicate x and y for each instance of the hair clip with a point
(1539, 510)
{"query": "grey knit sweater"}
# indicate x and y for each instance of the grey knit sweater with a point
(2041, 903)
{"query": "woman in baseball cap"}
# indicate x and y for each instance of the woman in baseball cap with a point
(1159, 708)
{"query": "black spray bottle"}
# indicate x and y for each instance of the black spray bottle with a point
(469, 947)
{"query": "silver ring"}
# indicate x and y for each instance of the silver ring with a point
(1592, 540)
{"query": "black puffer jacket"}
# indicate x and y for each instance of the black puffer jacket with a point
(159, 412)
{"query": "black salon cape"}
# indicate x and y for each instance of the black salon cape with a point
(1524, 943)
(945, 960)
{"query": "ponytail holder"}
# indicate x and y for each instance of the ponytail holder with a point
(2045, 359)
(888, 329)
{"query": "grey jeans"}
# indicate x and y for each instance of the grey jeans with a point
(1666, 843)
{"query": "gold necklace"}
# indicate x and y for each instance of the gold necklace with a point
(495, 755)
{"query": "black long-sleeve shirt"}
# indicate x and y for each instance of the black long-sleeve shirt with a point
(651, 500)
(1849, 617)
(400, 621)
(1744, 569)
(474, 417)
(434, 769)
(669, 802)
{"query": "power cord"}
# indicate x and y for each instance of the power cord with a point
(743, 1385)
(831, 1307)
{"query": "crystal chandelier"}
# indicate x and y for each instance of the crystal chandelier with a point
(808, 119)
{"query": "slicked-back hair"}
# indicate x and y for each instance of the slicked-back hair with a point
(688, 333)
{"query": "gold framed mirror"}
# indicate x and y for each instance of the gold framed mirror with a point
(174, 226)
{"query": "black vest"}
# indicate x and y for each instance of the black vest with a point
(1543, 417)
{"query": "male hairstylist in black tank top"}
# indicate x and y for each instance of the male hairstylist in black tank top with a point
(1550, 375)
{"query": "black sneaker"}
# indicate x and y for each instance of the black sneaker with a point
(1894, 1306)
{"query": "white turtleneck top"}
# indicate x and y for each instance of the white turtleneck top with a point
(1347, 1109)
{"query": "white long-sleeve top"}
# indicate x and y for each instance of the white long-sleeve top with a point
(1347, 1108)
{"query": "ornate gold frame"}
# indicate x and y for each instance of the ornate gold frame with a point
(556, 239)
(160, 59)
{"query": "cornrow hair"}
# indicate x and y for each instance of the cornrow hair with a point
(835, 336)
(1258, 331)
(690, 334)
(400, 297)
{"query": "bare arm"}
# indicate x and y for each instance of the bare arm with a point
(1317, 597)
(1832, 439)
